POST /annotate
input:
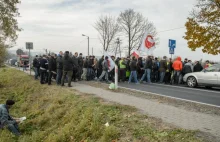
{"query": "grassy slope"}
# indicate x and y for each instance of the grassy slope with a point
(57, 114)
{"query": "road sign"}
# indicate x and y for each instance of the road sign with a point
(29, 45)
(172, 43)
(171, 50)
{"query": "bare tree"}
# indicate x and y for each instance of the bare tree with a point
(134, 25)
(108, 28)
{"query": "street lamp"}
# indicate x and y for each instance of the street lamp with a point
(88, 42)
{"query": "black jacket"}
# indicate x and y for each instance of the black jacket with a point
(52, 64)
(43, 64)
(85, 63)
(149, 64)
(67, 63)
(75, 61)
(59, 61)
(80, 62)
(133, 65)
(197, 68)
(163, 66)
(90, 63)
(36, 63)
(100, 63)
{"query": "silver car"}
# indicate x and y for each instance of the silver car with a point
(209, 77)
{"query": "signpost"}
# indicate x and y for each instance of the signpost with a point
(172, 46)
(29, 46)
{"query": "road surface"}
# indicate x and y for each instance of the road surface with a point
(211, 97)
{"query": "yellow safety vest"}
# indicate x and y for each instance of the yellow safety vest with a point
(121, 65)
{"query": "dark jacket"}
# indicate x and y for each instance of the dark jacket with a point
(187, 68)
(80, 62)
(149, 64)
(163, 66)
(197, 68)
(133, 65)
(52, 64)
(36, 63)
(90, 63)
(43, 64)
(5, 118)
(169, 67)
(75, 61)
(100, 63)
(59, 61)
(67, 63)
(85, 63)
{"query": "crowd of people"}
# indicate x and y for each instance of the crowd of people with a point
(65, 67)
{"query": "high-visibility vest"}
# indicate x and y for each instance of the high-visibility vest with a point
(121, 65)
(168, 63)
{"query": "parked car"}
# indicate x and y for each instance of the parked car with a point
(209, 77)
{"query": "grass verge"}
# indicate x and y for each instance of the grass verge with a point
(56, 114)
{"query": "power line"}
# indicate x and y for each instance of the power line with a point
(171, 29)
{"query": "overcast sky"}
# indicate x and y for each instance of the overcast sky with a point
(59, 24)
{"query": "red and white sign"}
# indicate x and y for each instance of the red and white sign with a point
(148, 44)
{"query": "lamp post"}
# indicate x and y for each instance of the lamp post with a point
(88, 42)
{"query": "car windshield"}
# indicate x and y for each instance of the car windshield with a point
(214, 68)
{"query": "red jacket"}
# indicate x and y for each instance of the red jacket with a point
(178, 65)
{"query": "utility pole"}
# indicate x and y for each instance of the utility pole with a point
(118, 42)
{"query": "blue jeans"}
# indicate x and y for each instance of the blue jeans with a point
(59, 76)
(13, 128)
(162, 74)
(176, 76)
(36, 71)
(147, 73)
(133, 74)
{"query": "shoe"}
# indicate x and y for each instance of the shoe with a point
(137, 83)
(141, 81)
(62, 85)
(70, 86)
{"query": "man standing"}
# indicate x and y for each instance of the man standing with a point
(43, 69)
(6, 120)
(67, 69)
(75, 66)
(155, 69)
(198, 67)
(80, 69)
(105, 70)
(85, 66)
(188, 67)
(163, 68)
(99, 71)
(133, 67)
(177, 66)
(51, 67)
(148, 68)
(122, 66)
(36, 66)
(59, 62)
(167, 78)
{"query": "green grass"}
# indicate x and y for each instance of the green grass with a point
(56, 114)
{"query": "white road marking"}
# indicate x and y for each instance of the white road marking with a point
(170, 97)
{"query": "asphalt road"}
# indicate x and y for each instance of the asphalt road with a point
(202, 95)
